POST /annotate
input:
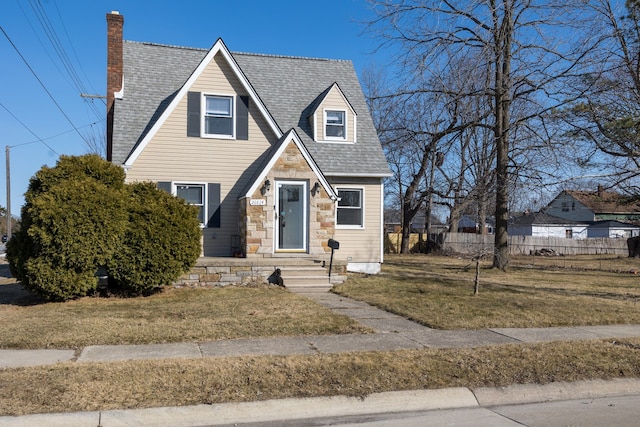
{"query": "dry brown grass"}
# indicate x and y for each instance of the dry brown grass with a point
(175, 315)
(435, 290)
(438, 291)
(73, 387)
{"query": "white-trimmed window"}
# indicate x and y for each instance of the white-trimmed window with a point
(335, 124)
(206, 196)
(194, 194)
(218, 116)
(350, 212)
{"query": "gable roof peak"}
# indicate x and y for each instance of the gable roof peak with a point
(276, 150)
(218, 47)
(323, 95)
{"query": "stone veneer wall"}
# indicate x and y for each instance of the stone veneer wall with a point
(244, 204)
(258, 222)
(225, 275)
(237, 273)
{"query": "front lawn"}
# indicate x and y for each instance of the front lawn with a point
(438, 291)
(175, 315)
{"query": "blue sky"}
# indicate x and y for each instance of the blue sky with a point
(59, 115)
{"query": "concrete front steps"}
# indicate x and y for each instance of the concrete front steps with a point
(309, 278)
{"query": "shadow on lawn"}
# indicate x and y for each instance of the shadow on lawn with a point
(15, 294)
(12, 292)
(5, 272)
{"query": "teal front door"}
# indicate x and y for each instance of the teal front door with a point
(292, 218)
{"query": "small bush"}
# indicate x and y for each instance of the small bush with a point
(161, 242)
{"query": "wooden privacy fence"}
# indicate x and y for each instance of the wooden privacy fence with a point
(468, 243)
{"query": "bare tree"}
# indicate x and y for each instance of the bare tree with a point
(607, 116)
(95, 138)
(416, 122)
(529, 46)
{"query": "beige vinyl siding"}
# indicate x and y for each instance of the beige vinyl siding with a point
(335, 101)
(172, 156)
(362, 245)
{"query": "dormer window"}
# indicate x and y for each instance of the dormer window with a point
(218, 116)
(333, 119)
(335, 124)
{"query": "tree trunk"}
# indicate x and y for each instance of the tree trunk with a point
(476, 286)
(482, 210)
(406, 236)
(501, 132)
(454, 215)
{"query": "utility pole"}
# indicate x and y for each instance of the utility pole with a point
(8, 195)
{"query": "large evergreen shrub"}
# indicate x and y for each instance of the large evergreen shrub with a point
(73, 220)
(79, 216)
(162, 241)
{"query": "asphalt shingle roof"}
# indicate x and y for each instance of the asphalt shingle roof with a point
(288, 87)
(606, 201)
(541, 218)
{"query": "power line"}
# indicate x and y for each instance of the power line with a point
(51, 33)
(43, 86)
(73, 50)
(29, 129)
(46, 51)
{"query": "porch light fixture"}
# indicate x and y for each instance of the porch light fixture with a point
(316, 188)
(265, 187)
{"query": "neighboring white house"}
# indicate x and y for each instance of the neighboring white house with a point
(467, 224)
(591, 206)
(613, 229)
(542, 225)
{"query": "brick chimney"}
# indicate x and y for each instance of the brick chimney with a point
(115, 71)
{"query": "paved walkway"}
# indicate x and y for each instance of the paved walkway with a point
(392, 332)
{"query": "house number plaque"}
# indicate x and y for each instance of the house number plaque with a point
(257, 202)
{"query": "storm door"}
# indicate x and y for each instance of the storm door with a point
(291, 214)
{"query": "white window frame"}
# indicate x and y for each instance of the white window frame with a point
(325, 124)
(205, 193)
(362, 208)
(203, 108)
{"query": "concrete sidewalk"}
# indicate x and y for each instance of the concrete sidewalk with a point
(392, 332)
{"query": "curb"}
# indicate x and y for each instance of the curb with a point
(335, 406)
(552, 392)
(261, 411)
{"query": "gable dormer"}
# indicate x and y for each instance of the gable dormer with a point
(333, 119)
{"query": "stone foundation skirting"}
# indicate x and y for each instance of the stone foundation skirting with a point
(210, 272)
(224, 276)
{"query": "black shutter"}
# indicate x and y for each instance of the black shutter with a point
(242, 122)
(164, 186)
(213, 205)
(193, 114)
